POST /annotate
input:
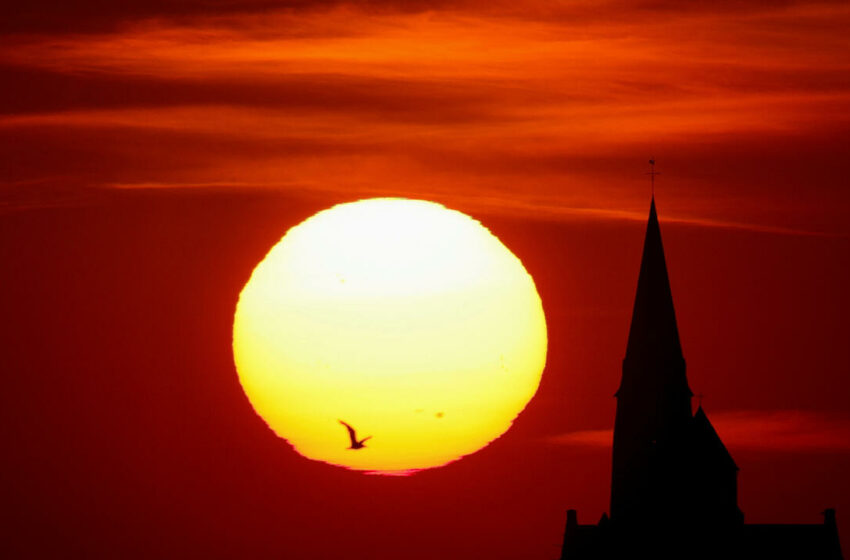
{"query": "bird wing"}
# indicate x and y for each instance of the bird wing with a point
(351, 434)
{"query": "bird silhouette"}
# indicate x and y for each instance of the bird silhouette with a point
(352, 435)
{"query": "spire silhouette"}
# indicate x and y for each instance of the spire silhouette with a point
(674, 485)
(654, 400)
(653, 333)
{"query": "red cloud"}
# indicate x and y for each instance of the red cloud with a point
(781, 431)
(534, 109)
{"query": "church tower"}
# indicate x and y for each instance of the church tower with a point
(654, 400)
(674, 485)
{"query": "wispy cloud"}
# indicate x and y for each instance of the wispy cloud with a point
(792, 431)
(547, 105)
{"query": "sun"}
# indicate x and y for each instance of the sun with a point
(408, 321)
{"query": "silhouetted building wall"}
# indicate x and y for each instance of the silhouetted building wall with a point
(674, 487)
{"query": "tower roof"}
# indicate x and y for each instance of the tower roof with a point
(653, 335)
(710, 445)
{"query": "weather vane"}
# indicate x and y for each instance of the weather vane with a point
(652, 175)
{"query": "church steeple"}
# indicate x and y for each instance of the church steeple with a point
(653, 334)
(654, 400)
(674, 487)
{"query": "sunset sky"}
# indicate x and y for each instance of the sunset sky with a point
(153, 152)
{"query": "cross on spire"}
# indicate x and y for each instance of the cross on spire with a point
(652, 174)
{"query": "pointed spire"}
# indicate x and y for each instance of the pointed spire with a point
(654, 400)
(653, 334)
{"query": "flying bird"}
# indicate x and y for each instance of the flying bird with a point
(352, 435)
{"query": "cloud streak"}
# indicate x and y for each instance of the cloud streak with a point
(535, 106)
(791, 431)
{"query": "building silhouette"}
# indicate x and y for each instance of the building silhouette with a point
(674, 484)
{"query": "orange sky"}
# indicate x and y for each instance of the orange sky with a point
(550, 107)
(154, 150)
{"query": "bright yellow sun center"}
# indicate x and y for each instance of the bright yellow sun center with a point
(410, 322)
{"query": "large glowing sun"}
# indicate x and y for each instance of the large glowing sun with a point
(410, 322)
